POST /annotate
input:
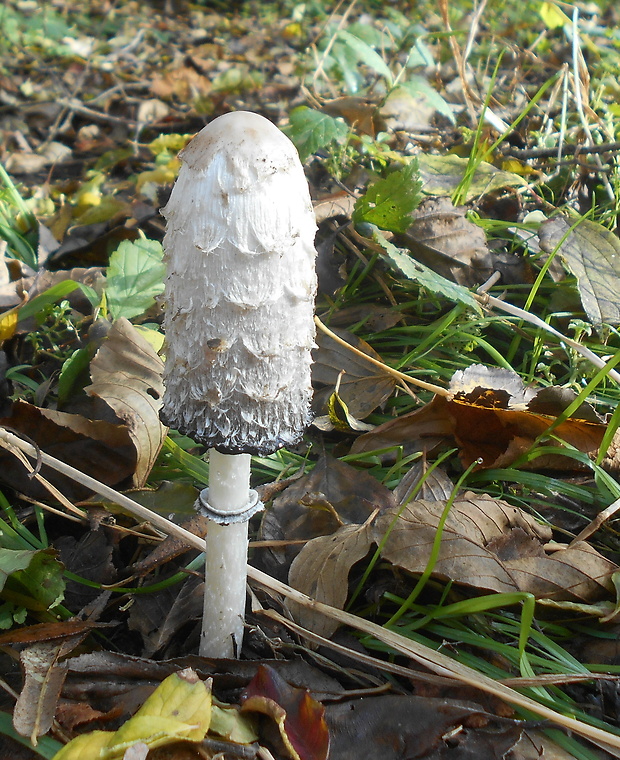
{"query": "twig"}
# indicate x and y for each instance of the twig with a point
(436, 662)
(608, 512)
(566, 149)
(388, 370)
(515, 311)
(75, 106)
(579, 63)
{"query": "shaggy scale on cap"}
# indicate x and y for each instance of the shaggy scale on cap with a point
(240, 288)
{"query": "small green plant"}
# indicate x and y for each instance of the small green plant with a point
(18, 225)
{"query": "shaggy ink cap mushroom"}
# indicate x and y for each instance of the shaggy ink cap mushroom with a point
(240, 289)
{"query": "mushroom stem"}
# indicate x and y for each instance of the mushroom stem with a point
(226, 551)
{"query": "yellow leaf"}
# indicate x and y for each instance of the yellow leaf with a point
(180, 708)
(85, 747)
(152, 730)
(228, 722)
(172, 143)
(162, 175)
(154, 337)
(553, 16)
(8, 323)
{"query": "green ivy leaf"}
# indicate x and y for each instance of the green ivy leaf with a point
(134, 277)
(389, 202)
(312, 130)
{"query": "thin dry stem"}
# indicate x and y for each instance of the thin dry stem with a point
(388, 370)
(515, 311)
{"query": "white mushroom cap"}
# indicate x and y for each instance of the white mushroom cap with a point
(240, 289)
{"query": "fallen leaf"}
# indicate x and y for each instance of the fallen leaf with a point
(99, 448)
(592, 253)
(441, 175)
(360, 113)
(44, 674)
(373, 318)
(178, 710)
(394, 727)
(229, 723)
(44, 632)
(89, 556)
(445, 241)
(338, 204)
(299, 717)
(492, 417)
(159, 616)
(436, 485)
(333, 494)
(321, 571)
(126, 373)
(363, 386)
(488, 544)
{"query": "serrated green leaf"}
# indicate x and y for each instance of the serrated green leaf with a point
(134, 277)
(425, 276)
(366, 55)
(389, 202)
(312, 130)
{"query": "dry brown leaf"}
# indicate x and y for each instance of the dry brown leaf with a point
(363, 387)
(99, 448)
(333, 494)
(491, 416)
(374, 318)
(592, 253)
(184, 83)
(126, 373)
(488, 544)
(44, 675)
(337, 204)
(321, 570)
(436, 485)
(395, 727)
(361, 114)
(442, 239)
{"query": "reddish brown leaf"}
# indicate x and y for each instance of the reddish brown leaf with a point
(33, 634)
(300, 718)
(491, 416)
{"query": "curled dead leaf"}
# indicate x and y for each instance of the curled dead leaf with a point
(126, 373)
(491, 416)
(488, 544)
(362, 386)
